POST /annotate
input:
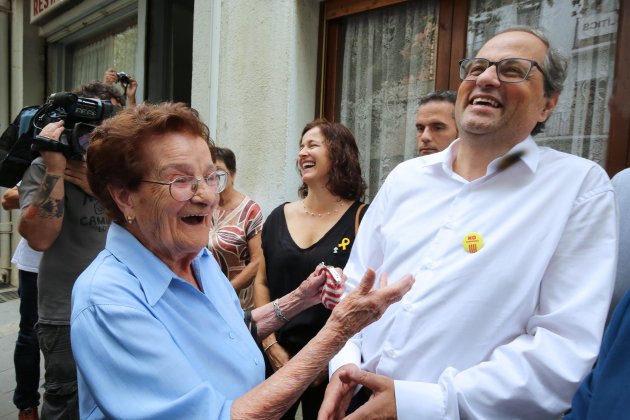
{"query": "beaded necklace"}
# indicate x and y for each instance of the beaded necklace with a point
(328, 213)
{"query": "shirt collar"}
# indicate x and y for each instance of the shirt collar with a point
(530, 155)
(445, 158)
(154, 276)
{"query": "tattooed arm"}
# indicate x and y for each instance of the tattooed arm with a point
(41, 219)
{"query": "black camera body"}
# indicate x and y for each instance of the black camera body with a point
(80, 115)
(122, 78)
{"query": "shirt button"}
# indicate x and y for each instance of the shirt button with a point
(231, 335)
(256, 362)
(391, 353)
(407, 307)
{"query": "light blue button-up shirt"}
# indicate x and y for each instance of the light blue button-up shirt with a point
(149, 345)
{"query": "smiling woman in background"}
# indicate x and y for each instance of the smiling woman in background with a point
(235, 232)
(320, 227)
(157, 329)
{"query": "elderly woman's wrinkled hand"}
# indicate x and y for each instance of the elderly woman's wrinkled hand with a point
(363, 305)
(310, 289)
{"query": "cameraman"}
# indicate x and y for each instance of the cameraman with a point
(130, 85)
(61, 218)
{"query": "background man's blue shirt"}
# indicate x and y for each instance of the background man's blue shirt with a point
(605, 393)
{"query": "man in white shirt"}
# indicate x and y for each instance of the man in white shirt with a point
(513, 247)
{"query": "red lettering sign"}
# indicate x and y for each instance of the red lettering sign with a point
(41, 6)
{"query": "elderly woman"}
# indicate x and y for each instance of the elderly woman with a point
(157, 329)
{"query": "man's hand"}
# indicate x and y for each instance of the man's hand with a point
(11, 199)
(76, 172)
(382, 402)
(338, 395)
(55, 161)
(131, 91)
(110, 77)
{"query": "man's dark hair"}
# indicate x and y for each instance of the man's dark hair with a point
(439, 95)
(101, 91)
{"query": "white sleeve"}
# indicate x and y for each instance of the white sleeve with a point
(366, 253)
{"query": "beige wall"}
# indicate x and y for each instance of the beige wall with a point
(25, 66)
(255, 87)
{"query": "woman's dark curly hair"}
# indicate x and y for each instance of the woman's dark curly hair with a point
(345, 178)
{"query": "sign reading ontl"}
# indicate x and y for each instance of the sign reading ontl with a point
(41, 8)
(597, 25)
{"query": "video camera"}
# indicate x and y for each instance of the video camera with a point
(80, 115)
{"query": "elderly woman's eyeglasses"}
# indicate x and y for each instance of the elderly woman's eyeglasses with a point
(509, 70)
(183, 188)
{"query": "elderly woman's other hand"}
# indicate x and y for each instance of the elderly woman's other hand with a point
(310, 289)
(363, 305)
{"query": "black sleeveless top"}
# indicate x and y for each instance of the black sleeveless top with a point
(288, 265)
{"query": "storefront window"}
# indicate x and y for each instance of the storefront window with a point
(388, 63)
(585, 31)
(90, 60)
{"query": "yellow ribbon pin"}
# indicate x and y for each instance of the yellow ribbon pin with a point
(344, 243)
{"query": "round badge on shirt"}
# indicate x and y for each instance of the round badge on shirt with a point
(472, 242)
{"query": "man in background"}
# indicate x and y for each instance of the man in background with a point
(61, 218)
(435, 122)
(127, 83)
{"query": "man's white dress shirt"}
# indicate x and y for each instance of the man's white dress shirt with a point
(510, 330)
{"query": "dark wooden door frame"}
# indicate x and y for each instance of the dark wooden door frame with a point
(451, 46)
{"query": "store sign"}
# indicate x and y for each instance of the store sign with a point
(597, 25)
(40, 8)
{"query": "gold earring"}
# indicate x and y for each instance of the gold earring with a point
(130, 219)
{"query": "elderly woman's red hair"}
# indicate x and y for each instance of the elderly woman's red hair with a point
(115, 154)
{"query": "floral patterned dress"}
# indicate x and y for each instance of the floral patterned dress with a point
(229, 235)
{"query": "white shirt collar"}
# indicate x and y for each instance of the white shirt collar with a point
(530, 157)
